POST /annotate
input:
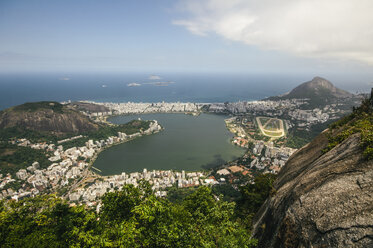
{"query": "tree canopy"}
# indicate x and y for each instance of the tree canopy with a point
(131, 217)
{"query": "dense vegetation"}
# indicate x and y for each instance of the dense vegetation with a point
(360, 121)
(18, 132)
(298, 138)
(248, 197)
(106, 131)
(112, 130)
(254, 195)
(34, 106)
(132, 217)
(103, 132)
(13, 158)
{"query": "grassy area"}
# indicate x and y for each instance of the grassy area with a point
(274, 134)
(273, 125)
(269, 126)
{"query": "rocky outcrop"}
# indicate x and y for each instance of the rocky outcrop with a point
(321, 199)
(42, 117)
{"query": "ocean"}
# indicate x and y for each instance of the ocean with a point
(19, 88)
(169, 87)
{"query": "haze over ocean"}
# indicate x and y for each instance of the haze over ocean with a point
(113, 87)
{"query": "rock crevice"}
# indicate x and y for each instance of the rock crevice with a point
(321, 200)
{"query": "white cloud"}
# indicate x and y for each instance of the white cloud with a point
(341, 29)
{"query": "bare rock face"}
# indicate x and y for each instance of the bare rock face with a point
(322, 200)
(49, 117)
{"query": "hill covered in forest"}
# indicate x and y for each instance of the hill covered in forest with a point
(48, 118)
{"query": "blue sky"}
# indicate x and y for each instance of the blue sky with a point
(186, 36)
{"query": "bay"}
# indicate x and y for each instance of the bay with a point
(187, 143)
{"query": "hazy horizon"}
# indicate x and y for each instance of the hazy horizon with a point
(242, 37)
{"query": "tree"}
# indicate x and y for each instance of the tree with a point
(254, 195)
(132, 217)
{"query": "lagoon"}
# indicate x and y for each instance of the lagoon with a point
(187, 143)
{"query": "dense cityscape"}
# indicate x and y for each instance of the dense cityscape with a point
(68, 167)
(74, 165)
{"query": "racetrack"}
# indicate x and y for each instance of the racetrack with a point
(272, 127)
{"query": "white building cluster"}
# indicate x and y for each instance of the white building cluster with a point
(309, 116)
(159, 179)
(268, 157)
(141, 108)
(286, 109)
(57, 175)
(67, 165)
(257, 107)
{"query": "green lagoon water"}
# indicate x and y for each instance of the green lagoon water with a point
(186, 143)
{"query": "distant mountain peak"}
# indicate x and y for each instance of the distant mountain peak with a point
(322, 82)
(318, 78)
(319, 91)
(318, 86)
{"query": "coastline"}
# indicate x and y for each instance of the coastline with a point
(93, 159)
(93, 173)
